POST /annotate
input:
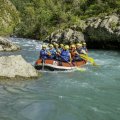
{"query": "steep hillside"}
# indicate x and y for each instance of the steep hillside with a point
(42, 17)
(39, 18)
(9, 17)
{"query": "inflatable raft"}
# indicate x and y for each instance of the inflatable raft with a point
(50, 64)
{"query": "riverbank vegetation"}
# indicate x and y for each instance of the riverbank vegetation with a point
(39, 18)
(9, 17)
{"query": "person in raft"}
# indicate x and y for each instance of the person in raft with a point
(51, 52)
(58, 51)
(65, 55)
(76, 50)
(61, 47)
(80, 49)
(84, 47)
(43, 52)
(73, 52)
(56, 46)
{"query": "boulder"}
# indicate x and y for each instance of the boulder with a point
(110, 23)
(15, 66)
(6, 45)
(103, 32)
(66, 36)
(98, 32)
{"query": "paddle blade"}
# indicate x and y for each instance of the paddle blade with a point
(91, 60)
(87, 58)
(83, 56)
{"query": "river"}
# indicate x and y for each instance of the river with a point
(93, 94)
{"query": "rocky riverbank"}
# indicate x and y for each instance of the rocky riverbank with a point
(12, 67)
(103, 32)
(6, 45)
(66, 36)
(98, 32)
(96, 22)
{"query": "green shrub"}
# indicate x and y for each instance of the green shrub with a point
(41, 17)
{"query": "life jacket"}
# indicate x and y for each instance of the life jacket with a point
(65, 54)
(73, 54)
(61, 49)
(85, 49)
(43, 54)
(52, 53)
(58, 50)
(57, 53)
(81, 51)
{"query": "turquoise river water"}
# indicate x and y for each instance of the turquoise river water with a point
(93, 94)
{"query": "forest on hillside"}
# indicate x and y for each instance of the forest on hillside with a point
(38, 18)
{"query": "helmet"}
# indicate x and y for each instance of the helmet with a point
(61, 45)
(73, 46)
(78, 44)
(51, 45)
(84, 43)
(44, 46)
(56, 44)
(66, 47)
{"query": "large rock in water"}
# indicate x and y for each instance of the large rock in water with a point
(66, 36)
(6, 45)
(16, 66)
(104, 32)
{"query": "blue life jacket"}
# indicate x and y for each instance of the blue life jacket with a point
(53, 52)
(56, 55)
(77, 57)
(79, 50)
(43, 54)
(61, 49)
(85, 49)
(65, 55)
(57, 50)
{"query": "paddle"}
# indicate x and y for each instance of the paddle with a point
(76, 68)
(87, 58)
(65, 60)
(43, 61)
